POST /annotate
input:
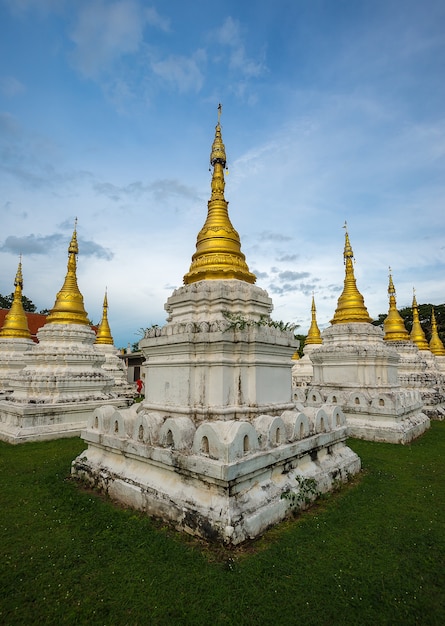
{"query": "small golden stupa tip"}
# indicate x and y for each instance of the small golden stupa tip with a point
(16, 322)
(314, 335)
(103, 335)
(351, 306)
(417, 334)
(393, 324)
(436, 344)
(68, 307)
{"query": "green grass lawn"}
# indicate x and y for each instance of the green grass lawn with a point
(371, 554)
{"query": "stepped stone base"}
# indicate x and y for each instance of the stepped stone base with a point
(222, 481)
(20, 423)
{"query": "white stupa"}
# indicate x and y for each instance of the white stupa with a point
(356, 369)
(302, 369)
(217, 439)
(113, 365)
(62, 380)
(419, 366)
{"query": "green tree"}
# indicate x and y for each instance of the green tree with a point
(301, 339)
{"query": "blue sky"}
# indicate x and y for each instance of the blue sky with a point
(332, 111)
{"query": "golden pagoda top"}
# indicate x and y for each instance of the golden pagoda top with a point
(351, 306)
(394, 325)
(314, 335)
(436, 345)
(16, 322)
(68, 307)
(218, 248)
(103, 335)
(417, 335)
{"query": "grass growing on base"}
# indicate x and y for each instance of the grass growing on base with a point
(374, 553)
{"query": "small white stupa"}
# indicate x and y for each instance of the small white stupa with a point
(302, 369)
(113, 365)
(418, 366)
(218, 439)
(15, 338)
(356, 369)
(62, 380)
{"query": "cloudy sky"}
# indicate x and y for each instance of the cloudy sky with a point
(332, 111)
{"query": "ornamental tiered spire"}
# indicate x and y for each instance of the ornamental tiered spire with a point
(314, 335)
(351, 306)
(417, 335)
(69, 308)
(16, 323)
(436, 345)
(393, 325)
(218, 248)
(103, 335)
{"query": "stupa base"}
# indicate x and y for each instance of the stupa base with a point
(20, 423)
(390, 431)
(227, 500)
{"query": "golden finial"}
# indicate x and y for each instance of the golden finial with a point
(68, 307)
(394, 325)
(436, 345)
(351, 306)
(16, 322)
(103, 335)
(218, 248)
(314, 335)
(417, 334)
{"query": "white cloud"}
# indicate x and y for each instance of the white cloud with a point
(106, 31)
(229, 35)
(10, 86)
(184, 73)
(154, 19)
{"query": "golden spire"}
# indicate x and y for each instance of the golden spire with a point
(313, 336)
(68, 307)
(351, 306)
(436, 345)
(16, 322)
(394, 325)
(103, 335)
(218, 248)
(417, 335)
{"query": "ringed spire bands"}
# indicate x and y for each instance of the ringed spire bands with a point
(436, 345)
(103, 335)
(314, 335)
(351, 305)
(69, 308)
(16, 323)
(393, 324)
(218, 248)
(417, 334)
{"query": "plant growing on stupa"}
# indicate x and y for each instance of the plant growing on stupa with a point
(307, 492)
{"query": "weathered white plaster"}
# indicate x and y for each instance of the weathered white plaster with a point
(115, 367)
(60, 384)
(12, 361)
(228, 485)
(197, 365)
(420, 369)
(356, 369)
(218, 438)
